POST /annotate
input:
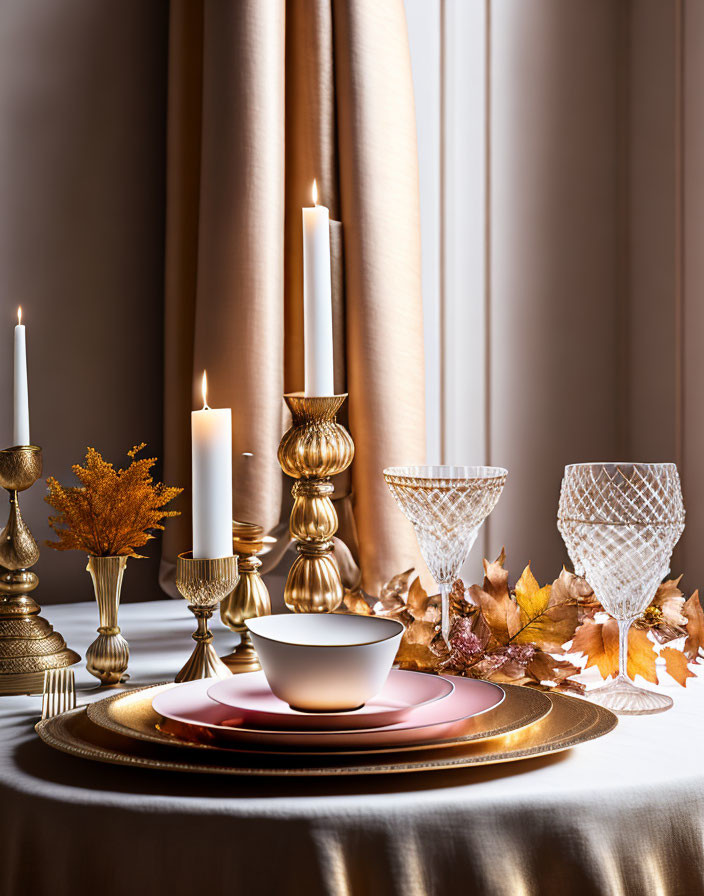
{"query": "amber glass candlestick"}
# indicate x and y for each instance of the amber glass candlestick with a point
(28, 643)
(315, 448)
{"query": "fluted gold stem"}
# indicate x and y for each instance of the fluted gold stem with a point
(313, 449)
(108, 656)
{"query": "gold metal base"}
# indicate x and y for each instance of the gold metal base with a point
(313, 449)
(203, 662)
(28, 643)
(243, 658)
(28, 646)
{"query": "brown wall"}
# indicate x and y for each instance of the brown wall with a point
(82, 126)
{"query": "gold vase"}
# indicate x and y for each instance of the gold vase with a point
(28, 643)
(313, 449)
(204, 583)
(108, 656)
(250, 597)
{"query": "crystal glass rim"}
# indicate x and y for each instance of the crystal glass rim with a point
(446, 473)
(613, 466)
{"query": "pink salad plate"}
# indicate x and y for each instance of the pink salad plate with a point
(189, 704)
(252, 700)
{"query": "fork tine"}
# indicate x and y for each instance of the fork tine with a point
(45, 694)
(71, 683)
(59, 692)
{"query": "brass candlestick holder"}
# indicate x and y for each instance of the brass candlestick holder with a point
(313, 449)
(250, 597)
(28, 643)
(204, 583)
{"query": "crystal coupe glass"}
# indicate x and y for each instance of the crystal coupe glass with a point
(620, 523)
(447, 506)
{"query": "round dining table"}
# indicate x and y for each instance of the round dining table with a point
(622, 815)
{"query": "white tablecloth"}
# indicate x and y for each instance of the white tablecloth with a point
(621, 815)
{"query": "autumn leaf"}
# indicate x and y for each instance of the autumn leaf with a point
(357, 603)
(676, 665)
(641, 654)
(670, 600)
(548, 617)
(546, 668)
(392, 597)
(600, 647)
(414, 652)
(569, 588)
(501, 613)
(496, 577)
(397, 586)
(598, 641)
(692, 611)
(422, 607)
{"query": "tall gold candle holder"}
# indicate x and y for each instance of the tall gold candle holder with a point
(250, 597)
(28, 643)
(315, 448)
(204, 583)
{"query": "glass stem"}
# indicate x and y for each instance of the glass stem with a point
(445, 617)
(624, 626)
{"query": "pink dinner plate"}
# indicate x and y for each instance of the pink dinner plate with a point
(189, 704)
(251, 698)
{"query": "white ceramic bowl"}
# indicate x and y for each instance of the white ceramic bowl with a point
(325, 662)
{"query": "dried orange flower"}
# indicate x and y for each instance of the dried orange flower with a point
(113, 511)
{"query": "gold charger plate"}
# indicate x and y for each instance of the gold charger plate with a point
(571, 722)
(130, 713)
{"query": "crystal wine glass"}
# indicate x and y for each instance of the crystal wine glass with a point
(620, 523)
(447, 506)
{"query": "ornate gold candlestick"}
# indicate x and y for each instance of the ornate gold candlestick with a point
(204, 583)
(250, 597)
(313, 449)
(28, 643)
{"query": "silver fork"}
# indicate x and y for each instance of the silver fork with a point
(59, 692)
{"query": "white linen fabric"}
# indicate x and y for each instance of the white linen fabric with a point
(622, 815)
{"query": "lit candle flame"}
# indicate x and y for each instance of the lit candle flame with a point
(315, 192)
(19, 315)
(205, 392)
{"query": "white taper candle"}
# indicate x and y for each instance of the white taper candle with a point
(20, 428)
(317, 300)
(211, 435)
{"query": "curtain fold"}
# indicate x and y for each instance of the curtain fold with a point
(264, 96)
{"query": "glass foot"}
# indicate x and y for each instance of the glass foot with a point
(626, 699)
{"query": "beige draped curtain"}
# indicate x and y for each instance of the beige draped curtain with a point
(264, 96)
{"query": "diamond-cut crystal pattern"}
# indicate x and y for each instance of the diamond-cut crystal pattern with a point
(620, 523)
(447, 506)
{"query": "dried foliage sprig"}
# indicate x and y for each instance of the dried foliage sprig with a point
(517, 636)
(112, 512)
